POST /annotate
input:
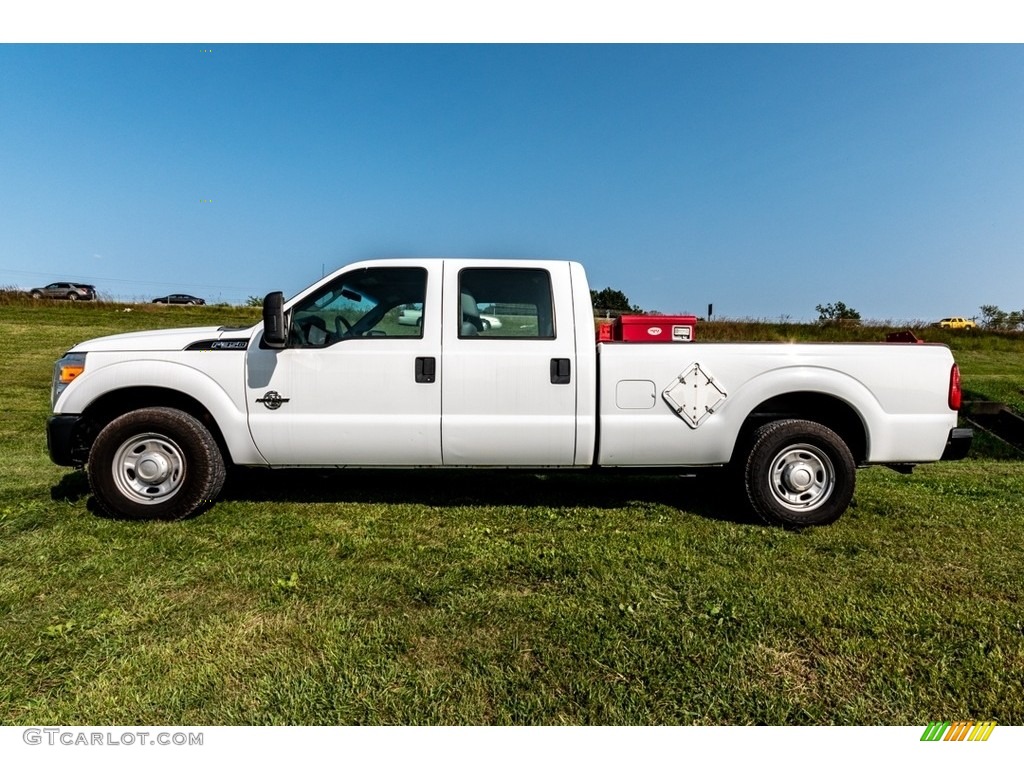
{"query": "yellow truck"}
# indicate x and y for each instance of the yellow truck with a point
(956, 323)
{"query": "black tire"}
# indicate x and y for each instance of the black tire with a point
(799, 473)
(485, 325)
(72, 296)
(36, 295)
(183, 468)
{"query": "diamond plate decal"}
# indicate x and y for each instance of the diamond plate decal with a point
(694, 395)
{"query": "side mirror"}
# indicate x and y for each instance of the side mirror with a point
(275, 335)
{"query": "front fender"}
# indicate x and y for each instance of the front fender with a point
(226, 406)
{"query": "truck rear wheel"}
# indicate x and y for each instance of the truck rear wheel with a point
(155, 464)
(799, 473)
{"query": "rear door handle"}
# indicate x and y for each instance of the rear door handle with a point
(426, 370)
(561, 370)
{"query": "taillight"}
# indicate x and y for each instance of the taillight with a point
(955, 392)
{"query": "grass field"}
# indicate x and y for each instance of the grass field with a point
(475, 598)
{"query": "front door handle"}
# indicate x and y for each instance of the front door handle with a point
(561, 370)
(426, 370)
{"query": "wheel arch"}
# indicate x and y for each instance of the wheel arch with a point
(824, 408)
(118, 402)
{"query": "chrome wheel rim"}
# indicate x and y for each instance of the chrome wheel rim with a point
(149, 468)
(802, 477)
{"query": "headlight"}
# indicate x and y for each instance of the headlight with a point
(66, 370)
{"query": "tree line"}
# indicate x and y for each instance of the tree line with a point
(996, 319)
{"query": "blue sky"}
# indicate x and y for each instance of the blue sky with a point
(763, 178)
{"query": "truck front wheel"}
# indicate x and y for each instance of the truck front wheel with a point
(799, 473)
(155, 464)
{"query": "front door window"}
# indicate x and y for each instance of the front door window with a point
(367, 303)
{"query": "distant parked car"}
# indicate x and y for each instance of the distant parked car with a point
(178, 298)
(955, 322)
(410, 316)
(69, 291)
(490, 322)
(415, 317)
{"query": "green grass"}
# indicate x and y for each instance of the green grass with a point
(472, 598)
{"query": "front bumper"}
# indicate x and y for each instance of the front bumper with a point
(958, 443)
(64, 440)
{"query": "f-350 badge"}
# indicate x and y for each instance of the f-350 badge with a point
(272, 400)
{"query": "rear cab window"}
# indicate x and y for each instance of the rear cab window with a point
(505, 303)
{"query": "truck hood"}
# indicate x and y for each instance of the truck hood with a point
(171, 340)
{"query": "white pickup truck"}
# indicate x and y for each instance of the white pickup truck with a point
(335, 378)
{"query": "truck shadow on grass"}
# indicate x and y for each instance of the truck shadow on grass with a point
(72, 487)
(707, 494)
